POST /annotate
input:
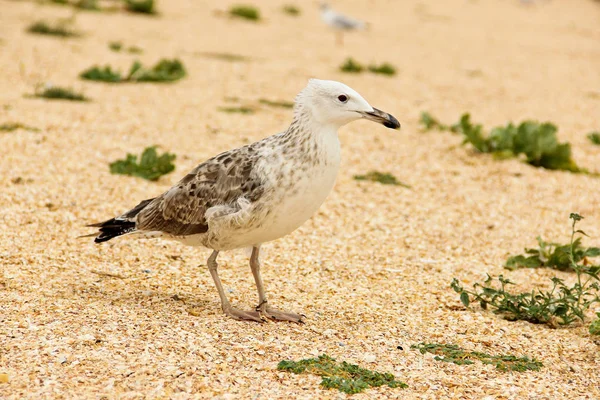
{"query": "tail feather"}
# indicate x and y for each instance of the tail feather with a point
(120, 225)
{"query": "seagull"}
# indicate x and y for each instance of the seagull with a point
(339, 21)
(255, 193)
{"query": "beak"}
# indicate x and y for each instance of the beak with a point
(381, 117)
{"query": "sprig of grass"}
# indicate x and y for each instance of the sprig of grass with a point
(247, 12)
(345, 377)
(59, 28)
(594, 137)
(151, 166)
(594, 328)
(140, 6)
(118, 46)
(13, 126)
(552, 255)
(383, 69)
(384, 178)
(454, 354)
(58, 93)
(89, 5)
(276, 103)
(536, 142)
(163, 71)
(224, 56)
(291, 9)
(239, 110)
(561, 305)
(351, 66)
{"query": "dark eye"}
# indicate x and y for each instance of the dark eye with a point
(343, 98)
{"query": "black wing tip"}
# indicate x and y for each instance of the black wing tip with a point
(112, 228)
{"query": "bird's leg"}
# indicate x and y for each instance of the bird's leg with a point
(225, 304)
(263, 307)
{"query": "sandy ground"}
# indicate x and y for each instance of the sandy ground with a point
(371, 270)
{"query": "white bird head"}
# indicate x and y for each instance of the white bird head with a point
(336, 104)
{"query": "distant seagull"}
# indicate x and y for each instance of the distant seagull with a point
(340, 22)
(256, 193)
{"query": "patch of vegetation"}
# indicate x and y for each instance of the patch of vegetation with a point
(595, 325)
(561, 305)
(60, 28)
(345, 377)
(291, 9)
(140, 6)
(381, 177)
(351, 66)
(250, 13)
(163, 71)
(454, 354)
(13, 126)
(384, 69)
(552, 255)
(118, 46)
(224, 56)
(239, 110)
(594, 137)
(58, 93)
(89, 5)
(151, 166)
(535, 142)
(277, 103)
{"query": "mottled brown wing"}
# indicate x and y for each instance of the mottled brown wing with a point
(221, 180)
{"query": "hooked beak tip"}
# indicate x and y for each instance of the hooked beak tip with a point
(387, 120)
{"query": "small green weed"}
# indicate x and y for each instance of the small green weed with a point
(58, 93)
(536, 142)
(561, 305)
(239, 110)
(291, 9)
(140, 6)
(381, 177)
(345, 377)
(351, 66)
(594, 137)
(60, 28)
(454, 354)
(89, 5)
(224, 56)
(118, 46)
(163, 71)
(250, 13)
(13, 126)
(277, 103)
(595, 325)
(151, 165)
(552, 255)
(383, 69)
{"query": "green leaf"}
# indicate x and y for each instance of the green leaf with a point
(151, 166)
(464, 298)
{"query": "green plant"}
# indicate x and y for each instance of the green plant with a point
(384, 69)
(60, 28)
(246, 12)
(151, 166)
(13, 126)
(536, 142)
(58, 93)
(561, 305)
(552, 255)
(140, 6)
(381, 177)
(352, 66)
(454, 354)
(594, 137)
(595, 325)
(224, 56)
(89, 5)
(277, 103)
(240, 110)
(163, 71)
(118, 46)
(345, 377)
(291, 9)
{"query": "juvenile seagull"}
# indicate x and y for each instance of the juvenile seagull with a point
(256, 193)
